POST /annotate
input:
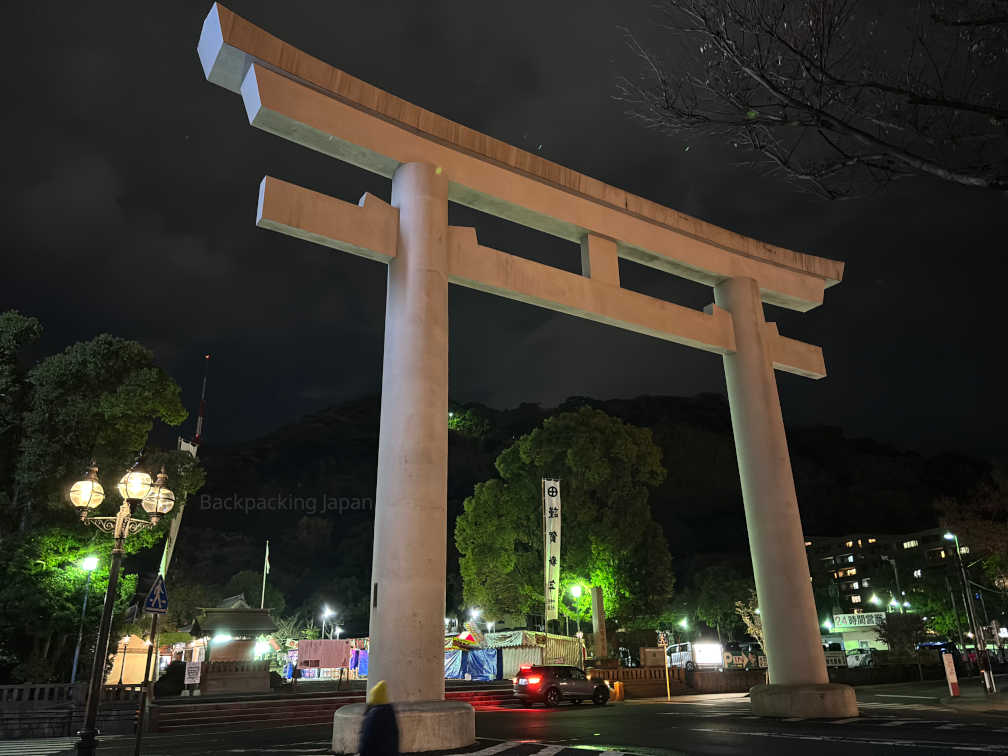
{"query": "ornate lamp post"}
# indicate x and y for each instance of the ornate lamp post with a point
(135, 486)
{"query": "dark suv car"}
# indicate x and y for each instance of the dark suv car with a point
(553, 683)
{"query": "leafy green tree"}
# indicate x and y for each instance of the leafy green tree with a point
(716, 591)
(41, 592)
(980, 519)
(902, 633)
(748, 612)
(607, 469)
(249, 582)
(97, 399)
(16, 332)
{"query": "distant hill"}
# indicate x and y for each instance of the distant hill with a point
(843, 485)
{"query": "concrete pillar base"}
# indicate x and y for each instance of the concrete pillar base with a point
(808, 701)
(423, 726)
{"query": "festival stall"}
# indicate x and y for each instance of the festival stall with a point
(518, 647)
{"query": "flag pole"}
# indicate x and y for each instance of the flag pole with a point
(262, 599)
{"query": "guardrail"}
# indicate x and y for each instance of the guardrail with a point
(41, 695)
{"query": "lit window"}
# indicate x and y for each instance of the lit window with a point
(855, 599)
(865, 582)
(854, 585)
(850, 544)
(909, 544)
(851, 571)
(850, 557)
(808, 543)
(871, 540)
(918, 573)
(964, 549)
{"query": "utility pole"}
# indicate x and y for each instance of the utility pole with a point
(899, 590)
(955, 613)
(978, 638)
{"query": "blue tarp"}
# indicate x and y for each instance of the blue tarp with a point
(481, 663)
(453, 664)
(362, 663)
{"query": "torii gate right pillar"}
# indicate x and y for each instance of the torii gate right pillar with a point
(799, 685)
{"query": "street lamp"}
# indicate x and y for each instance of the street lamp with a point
(827, 625)
(982, 660)
(575, 591)
(326, 613)
(875, 599)
(122, 667)
(85, 495)
(338, 630)
(88, 564)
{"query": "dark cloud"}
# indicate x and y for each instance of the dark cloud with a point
(130, 188)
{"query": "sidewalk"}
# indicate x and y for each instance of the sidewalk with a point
(973, 698)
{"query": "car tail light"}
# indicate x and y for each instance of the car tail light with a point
(514, 680)
(534, 680)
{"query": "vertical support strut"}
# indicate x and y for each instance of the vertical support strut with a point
(793, 644)
(408, 566)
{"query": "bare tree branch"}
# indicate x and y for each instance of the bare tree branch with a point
(830, 99)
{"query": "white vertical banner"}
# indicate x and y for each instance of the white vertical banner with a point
(551, 546)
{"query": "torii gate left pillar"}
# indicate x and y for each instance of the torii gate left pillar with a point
(408, 566)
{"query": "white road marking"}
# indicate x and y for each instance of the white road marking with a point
(940, 746)
(897, 695)
(549, 750)
(491, 750)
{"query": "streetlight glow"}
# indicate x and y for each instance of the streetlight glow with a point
(575, 591)
(89, 564)
(875, 599)
(828, 625)
(683, 623)
(87, 493)
(134, 485)
(949, 536)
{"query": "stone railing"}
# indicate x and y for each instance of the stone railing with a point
(236, 666)
(127, 693)
(626, 674)
(41, 695)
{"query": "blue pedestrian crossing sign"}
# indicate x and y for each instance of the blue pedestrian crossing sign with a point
(157, 599)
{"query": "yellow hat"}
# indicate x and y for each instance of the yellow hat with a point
(377, 695)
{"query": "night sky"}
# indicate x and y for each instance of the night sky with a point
(130, 190)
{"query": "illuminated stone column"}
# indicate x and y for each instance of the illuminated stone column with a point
(793, 645)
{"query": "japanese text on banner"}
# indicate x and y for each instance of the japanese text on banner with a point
(551, 545)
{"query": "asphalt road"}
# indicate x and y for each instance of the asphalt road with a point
(896, 719)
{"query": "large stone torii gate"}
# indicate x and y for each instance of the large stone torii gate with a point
(432, 160)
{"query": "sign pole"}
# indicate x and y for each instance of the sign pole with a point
(156, 604)
(144, 697)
